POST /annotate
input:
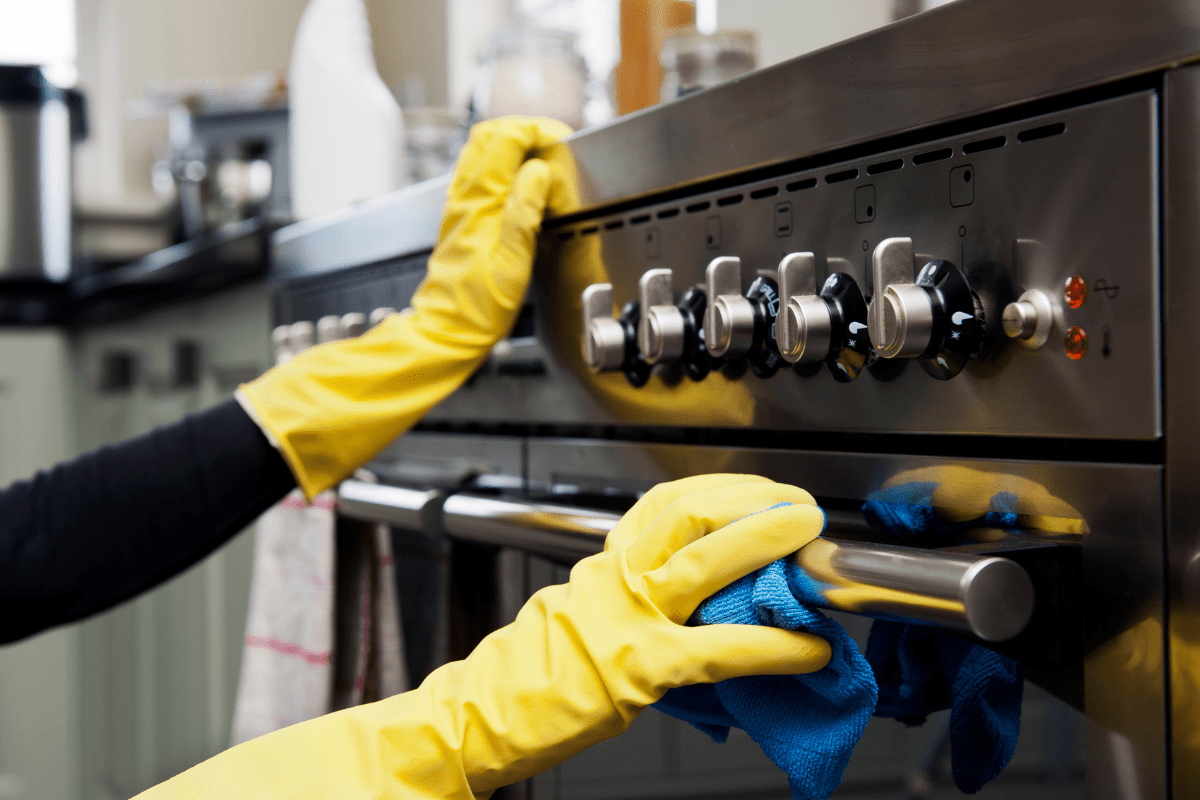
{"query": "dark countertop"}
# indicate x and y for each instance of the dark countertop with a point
(231, 255)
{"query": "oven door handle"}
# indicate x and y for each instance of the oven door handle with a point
(987, 596)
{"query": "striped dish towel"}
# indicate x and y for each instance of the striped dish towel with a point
(287, 663)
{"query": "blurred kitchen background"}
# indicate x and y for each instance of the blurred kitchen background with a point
(131, 285)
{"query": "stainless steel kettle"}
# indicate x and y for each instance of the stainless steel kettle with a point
(38, 124)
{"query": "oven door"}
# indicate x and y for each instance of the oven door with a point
(1075, 595)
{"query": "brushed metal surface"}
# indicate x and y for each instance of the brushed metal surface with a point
(35, 191)
(958, 60)
(1084, 202)
(392, 505)
(1116, 508)
(545, 529)
(1181, 288)
(397, 224)
(988, 596)
(953, 62)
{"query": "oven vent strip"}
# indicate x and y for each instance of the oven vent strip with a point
(848, 173)
(985, 595)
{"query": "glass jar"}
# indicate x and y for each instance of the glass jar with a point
(435, 137)
(692, 60)
(535, 71)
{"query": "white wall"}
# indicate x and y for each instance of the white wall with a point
(124, 44)
(788, 28)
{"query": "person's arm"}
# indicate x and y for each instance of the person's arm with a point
(90, 533)
(580, 662)
(333, 407)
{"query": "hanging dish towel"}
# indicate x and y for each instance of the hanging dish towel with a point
(369, 662)
(287, 670)
(807, 724)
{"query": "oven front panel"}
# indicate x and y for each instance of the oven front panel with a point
(1026, 205)
(1113, 511)
(1119, 507)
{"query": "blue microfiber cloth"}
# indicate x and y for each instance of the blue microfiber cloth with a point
(906, 512)
(921, 670)
(807, 724)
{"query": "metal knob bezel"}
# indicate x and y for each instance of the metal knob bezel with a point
(905, 322)
(1030, 319)
(812, 325)
(661, 329)
(730, 330)
(661, 334)
(729, 320)
(603, 338)
(604, 345)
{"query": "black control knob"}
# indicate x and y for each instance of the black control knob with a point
(635, 367)
(935, 318)
(829, 327)
(851, 346)
(957, 330)
(764, 358)
(695, 360)
(737, 326)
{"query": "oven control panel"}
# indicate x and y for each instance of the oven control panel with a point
(927, 312)
(1003, 281)
(1000, 281)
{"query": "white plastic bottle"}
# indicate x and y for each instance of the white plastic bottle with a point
(347, 133)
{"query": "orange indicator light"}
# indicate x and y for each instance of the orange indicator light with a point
(1076, 343)
(1075, 291)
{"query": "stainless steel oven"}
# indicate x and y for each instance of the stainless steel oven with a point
(958, 252)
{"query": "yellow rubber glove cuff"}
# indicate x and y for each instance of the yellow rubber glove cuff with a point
(580, 662)
(335, 406)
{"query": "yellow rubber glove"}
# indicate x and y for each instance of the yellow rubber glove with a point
(335, 406)
(580, 662)
(964, 494)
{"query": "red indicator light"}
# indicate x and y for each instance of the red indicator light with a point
(1076, 343)
(1075, 291)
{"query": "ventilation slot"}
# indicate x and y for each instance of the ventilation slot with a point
(932, 155)
(733, 199)
(564, 235)
(844, 175)
(612, 226)
(1044, 132)
(759, 194)
(885, 166)
(984, 144)
(696, 207)
(638, 220)
(807, 183)
(586, 231)
(668, 213)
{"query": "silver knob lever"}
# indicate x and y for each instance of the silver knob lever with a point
(900, 319)
(661, 327)
(603, 337)
(729, 318)
(804, 327)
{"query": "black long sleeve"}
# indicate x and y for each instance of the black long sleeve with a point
(88, 534)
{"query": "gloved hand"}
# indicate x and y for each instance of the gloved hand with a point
(335, 406)
(580, 662)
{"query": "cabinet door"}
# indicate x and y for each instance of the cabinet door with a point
(159, 673)
(39, 696)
